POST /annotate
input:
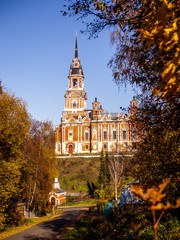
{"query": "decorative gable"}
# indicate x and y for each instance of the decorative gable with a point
(86, 119)
(72, 120)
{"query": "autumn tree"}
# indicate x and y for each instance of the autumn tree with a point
(158, 153)
(146, 34)
(14, 127)
(40, 169)
(147, 39)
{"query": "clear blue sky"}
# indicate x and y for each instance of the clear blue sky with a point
(36, 49)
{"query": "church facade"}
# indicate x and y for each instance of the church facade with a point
(85, 130)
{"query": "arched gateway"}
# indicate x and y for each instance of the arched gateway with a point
(70, 147)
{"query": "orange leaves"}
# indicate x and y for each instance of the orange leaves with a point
(154, 196)
(161, 206)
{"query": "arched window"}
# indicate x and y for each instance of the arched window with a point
(74, 82)
(53, 201)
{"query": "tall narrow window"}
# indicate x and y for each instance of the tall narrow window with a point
(124, 134)
(114, 134)
(86, 135)
(70, 135)
(75, 82)
(94, 135)
(105, 135)
(74, 104)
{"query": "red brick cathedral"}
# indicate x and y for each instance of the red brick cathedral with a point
(85, 130)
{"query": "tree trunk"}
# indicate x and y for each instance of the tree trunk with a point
(115, 193)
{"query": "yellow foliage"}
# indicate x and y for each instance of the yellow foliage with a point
(153, 195)
(163, 29)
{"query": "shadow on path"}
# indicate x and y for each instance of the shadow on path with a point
(49, 229)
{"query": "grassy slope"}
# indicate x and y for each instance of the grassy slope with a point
(75, 172)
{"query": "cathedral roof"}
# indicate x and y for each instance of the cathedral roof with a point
(59, 190)
(114, 116)
(76, 70)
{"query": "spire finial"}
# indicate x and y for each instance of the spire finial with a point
(76, 48)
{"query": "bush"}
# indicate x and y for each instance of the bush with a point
(2, 221)
(13, 216)
(131, 222)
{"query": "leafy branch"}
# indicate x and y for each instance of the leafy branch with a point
(154, 197)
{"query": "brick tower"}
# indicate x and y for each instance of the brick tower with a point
(75, 96)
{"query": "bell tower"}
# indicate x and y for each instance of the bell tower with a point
(75, 96)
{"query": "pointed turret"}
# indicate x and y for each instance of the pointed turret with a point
(76, 48)
(75, 67)
(75, 96)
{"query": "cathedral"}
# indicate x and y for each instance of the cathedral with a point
(85, 130)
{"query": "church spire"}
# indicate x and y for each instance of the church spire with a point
(76, 48)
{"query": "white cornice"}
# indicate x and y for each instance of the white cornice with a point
(73, 109)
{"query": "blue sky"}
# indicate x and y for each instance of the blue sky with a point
(36, 48)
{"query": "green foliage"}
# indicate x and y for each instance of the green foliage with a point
(157, 158)
(107, 173)
(161, 155)
(91, 187)
(169, 228)
(128, 223)
(100, 194)
(102, 177)
(155, 198)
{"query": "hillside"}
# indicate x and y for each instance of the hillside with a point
(75, 172)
